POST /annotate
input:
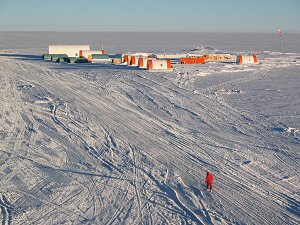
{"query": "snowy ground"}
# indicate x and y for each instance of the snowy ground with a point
(103, 144)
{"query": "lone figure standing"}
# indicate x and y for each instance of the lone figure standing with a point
(209, 181)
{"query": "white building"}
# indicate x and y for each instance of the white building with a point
(70, 50)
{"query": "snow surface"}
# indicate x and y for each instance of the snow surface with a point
(105, 144)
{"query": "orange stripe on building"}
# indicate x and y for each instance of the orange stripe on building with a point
(150, 64)
(133, 60)
(141, 62)
(255, 59)
(169, 64)
(241, 59)
(127, 59)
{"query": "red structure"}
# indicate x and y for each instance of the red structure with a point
(192, 60)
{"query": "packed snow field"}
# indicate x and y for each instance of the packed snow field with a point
(108, 144)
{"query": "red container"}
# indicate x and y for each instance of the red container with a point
(192, 60)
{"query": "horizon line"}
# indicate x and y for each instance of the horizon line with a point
(228, 32)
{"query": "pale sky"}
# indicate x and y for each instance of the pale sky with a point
(146, 16)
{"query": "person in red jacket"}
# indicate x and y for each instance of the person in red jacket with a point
(209, 181)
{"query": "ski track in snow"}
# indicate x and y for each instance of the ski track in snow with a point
(113, 145)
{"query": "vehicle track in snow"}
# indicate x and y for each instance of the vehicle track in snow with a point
(6, 210)
(187, 131)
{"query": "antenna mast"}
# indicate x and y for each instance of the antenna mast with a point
(281, 34)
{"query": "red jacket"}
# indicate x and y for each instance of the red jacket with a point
(209, 178)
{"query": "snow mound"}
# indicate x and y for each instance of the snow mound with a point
(229, 92)
(291, 130)
(204, 50)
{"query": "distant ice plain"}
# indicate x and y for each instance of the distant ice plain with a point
(114, 145)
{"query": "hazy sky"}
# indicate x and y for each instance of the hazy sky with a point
(152, 15)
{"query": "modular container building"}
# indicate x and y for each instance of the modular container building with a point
(143, 62)
(159, 65)
(117, 60)
(47, 57)
(116, 56)
(192, 60)
(86, 53)
(64, 60)
(127, 59)
(221, 58)
(99, 58)
(169, 56)
(247, 59)
(77, 60)
(134, 61)
(69, 50)
(55, 57)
